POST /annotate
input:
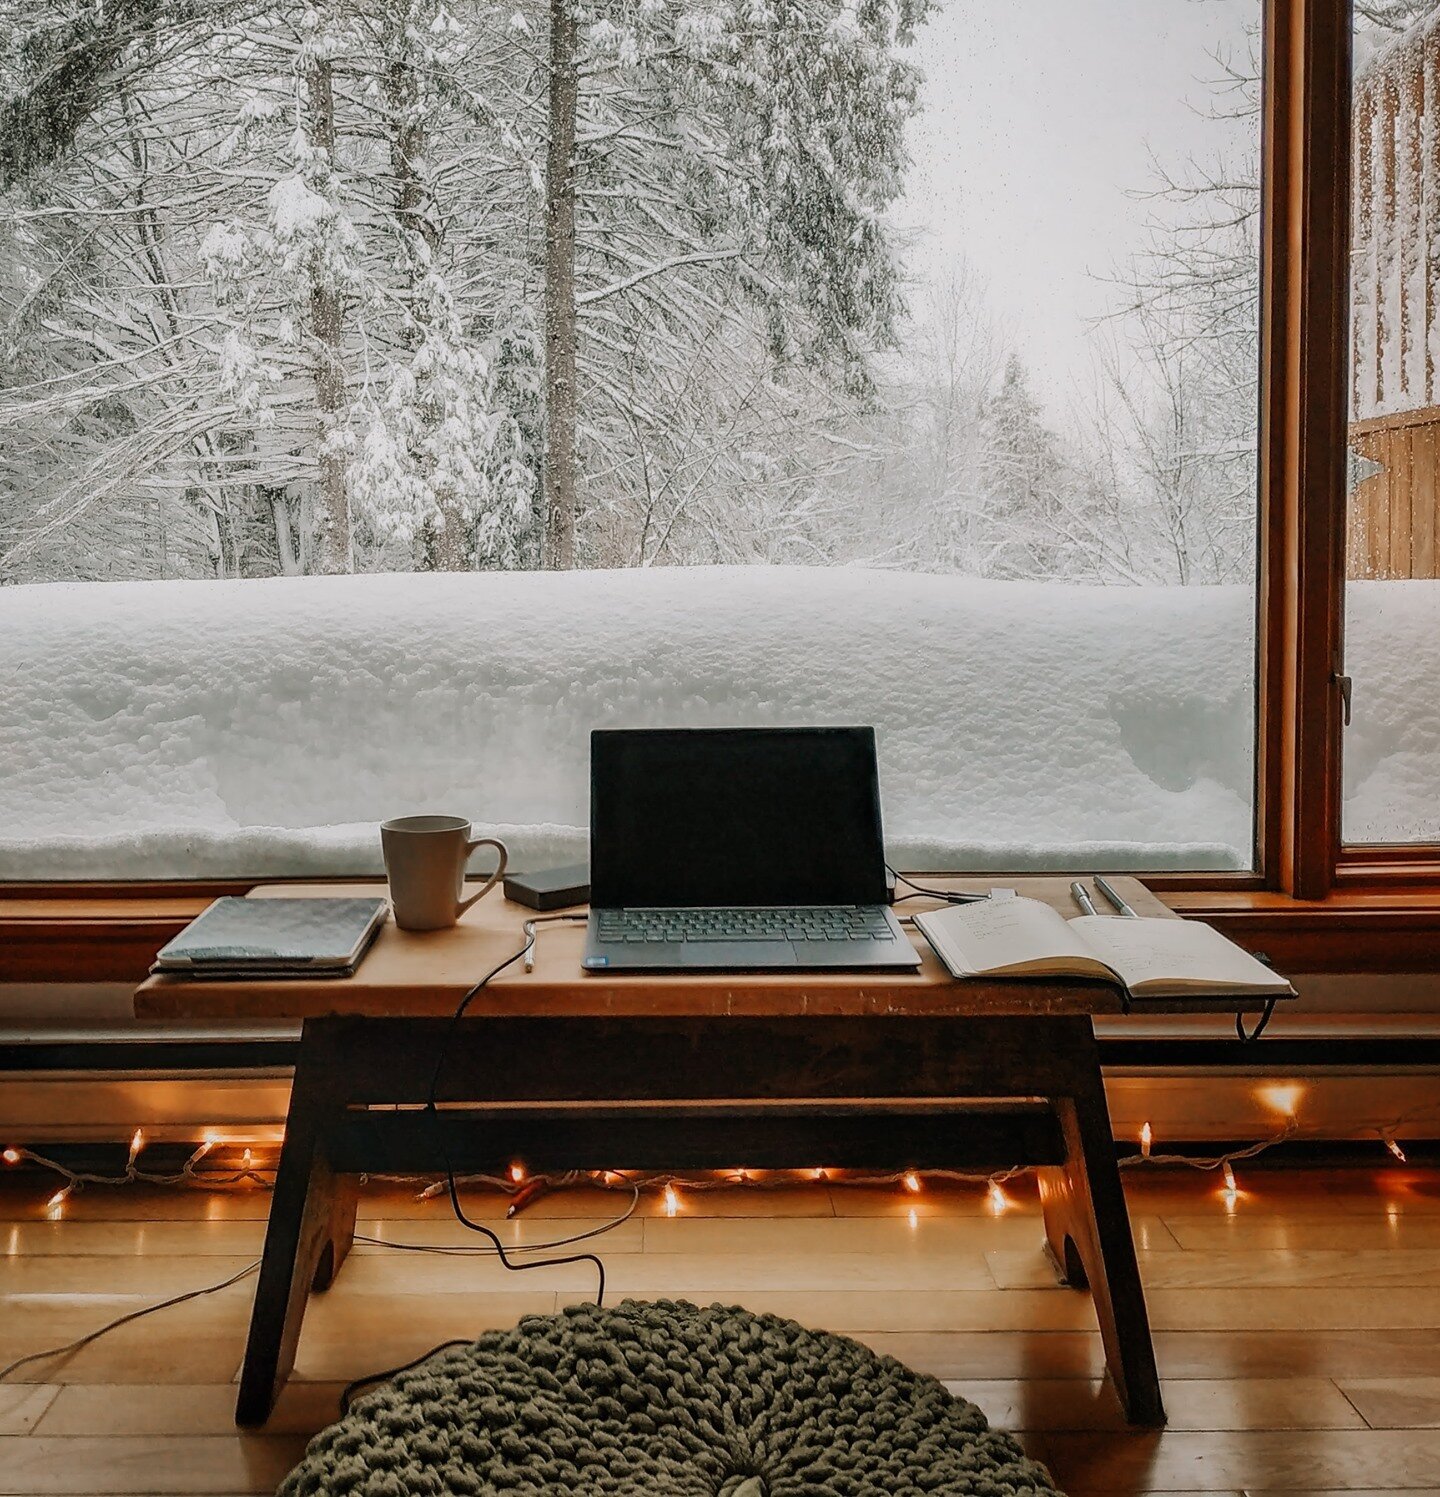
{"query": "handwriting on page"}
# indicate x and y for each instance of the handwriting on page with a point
(1149, 950)
(1000, 933)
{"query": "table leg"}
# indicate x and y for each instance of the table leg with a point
(344, 1206)
(311, 1227)
(1088, 1229)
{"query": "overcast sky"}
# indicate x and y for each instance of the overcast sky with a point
(1039, 119)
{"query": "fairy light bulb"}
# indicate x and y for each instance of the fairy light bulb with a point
(517, 1172)
(11, 1156)
(137, 1142)
(817, 1174)
(672, 1200)
(205, 1146)
(1228, 1175)
(1396, 1150)
(54, 1204)
(912, 1181)
(999, 1201)
(247, 1160)
(1147, 1137)
(1282, 1097)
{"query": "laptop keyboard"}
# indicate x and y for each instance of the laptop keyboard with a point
(783, 923)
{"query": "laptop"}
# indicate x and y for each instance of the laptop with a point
(738, 849)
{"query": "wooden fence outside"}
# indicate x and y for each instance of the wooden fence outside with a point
(1392, 515)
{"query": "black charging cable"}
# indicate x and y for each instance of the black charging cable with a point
(452, 1189)
(1265, 1013)
(371, 1379)
(1259, 1028)
(440, 1133)
(950, 896)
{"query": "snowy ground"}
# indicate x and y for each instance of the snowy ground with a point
(1392, 747)
(265, 727)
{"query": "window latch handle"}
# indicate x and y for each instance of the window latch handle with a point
(1346, 686)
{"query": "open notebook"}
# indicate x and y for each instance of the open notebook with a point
(1151, 958)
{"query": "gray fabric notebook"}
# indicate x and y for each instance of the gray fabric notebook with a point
(275, 938)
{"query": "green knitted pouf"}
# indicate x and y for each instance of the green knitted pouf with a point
(662, 1399)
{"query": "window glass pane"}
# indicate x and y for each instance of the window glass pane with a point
(390, 394)
(1392, 615)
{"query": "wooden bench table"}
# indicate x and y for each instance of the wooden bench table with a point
(574, 1070)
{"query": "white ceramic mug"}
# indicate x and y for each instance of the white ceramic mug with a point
(425, 858)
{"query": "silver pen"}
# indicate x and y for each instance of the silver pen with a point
(1109, 893)
(1087, 905)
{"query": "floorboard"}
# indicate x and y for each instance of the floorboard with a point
(1297, 1327)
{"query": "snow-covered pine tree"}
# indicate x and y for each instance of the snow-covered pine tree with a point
(1021, 482)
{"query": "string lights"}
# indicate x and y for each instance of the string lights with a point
(522, 1187)
(1282, 1098)
(187, 1175)
(532, 1189)
(1227, 1173)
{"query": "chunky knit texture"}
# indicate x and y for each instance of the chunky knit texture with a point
(662, 1399)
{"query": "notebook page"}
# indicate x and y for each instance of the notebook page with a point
(993, 934)
(1174, 951)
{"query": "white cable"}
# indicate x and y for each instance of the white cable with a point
(999, 1177)
(1219, 1161)
(179, 1299)
(164, 1304)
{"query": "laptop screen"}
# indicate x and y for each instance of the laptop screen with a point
(734, 816)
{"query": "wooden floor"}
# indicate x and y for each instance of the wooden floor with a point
(1297, 1327)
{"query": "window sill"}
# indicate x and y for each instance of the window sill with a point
(1353, 930)
(110, 934)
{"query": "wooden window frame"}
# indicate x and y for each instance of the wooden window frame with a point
(1379, 866)
(1311, 902)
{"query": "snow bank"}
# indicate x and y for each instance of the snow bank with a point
(1392, 748)
(264, 727)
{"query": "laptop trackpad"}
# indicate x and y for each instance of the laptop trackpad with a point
(751, 954)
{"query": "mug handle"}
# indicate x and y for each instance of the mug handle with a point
(494, 878)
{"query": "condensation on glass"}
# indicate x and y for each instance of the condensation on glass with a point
(391, 394)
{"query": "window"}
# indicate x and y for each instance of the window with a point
(1392, 612)
(392, 394)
